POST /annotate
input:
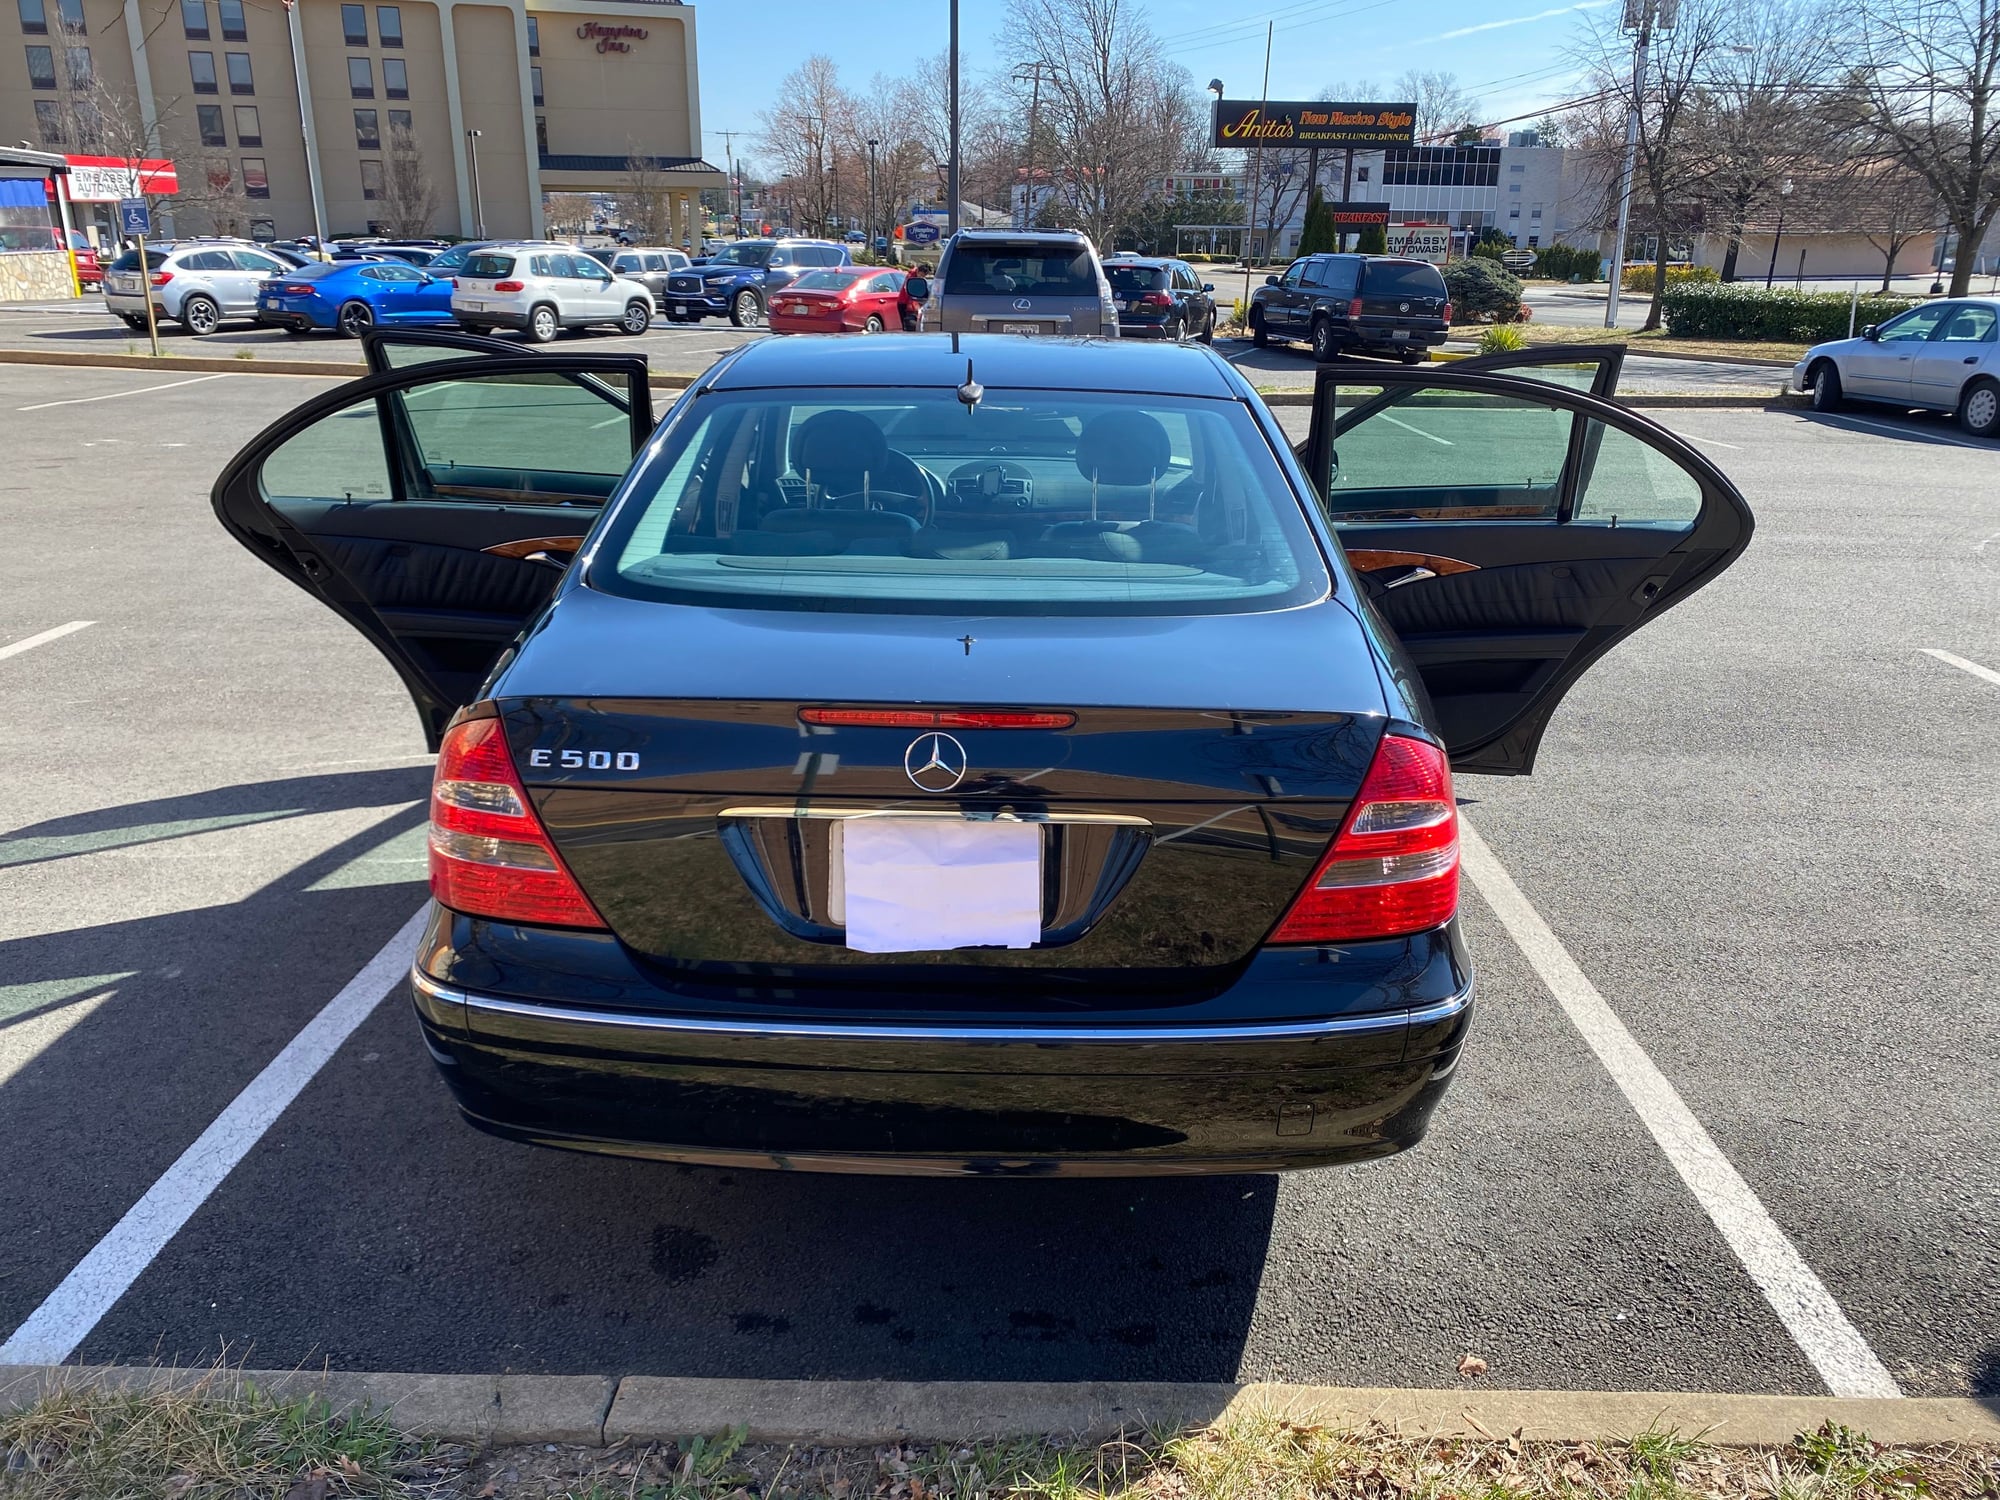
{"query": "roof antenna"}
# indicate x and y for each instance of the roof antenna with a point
(972, 391)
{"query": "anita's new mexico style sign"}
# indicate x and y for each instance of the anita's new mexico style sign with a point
(1252, 122)
(611, 38)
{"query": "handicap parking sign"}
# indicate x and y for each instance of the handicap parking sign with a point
(134, 217)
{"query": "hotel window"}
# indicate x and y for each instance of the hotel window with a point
(539, 100)
(354, 24)
(542, 134)
(41, 67)
(371, 179)
(256, 182)
(389, 24)
(232, 21)
(248, 131)
(194, 20)
(78, 59)
(239, 73)
(209, 118)
(395, 78)
(534, 32)
(399, 119)
(367, 132)
(48, 120)
(70, 12)
(201, 68)
(360, 78)
(35, 18)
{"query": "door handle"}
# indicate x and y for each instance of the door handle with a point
(1970, 359)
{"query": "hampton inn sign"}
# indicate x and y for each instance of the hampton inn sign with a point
(611, 38)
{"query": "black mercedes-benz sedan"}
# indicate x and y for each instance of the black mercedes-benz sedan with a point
(966, 755)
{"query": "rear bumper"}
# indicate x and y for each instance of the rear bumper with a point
(944, 1099)
(288, 318)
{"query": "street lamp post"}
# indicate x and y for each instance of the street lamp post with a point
(1779, 234)
(871, 196)
(951, 172)
(478, 203)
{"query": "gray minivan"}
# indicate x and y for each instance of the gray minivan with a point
(1022, 281)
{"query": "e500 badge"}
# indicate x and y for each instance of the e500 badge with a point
(585, 760)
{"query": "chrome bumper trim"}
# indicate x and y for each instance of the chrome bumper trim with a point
(1287, 1031)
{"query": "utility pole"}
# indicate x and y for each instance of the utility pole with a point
(872, 221)
(1256, 169)
(478, 203)
(1641, 17)
(1030, 72)
(729, 155)
(951, 170)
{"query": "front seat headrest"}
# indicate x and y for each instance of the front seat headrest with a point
(1123, 447)
(836, 448)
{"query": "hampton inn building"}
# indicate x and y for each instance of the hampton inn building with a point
(505, 100)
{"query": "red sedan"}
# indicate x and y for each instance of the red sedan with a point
(849, 299)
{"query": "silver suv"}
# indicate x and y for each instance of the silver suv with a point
(1013, 281)
(196, 283)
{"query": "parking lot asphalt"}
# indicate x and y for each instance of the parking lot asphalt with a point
(1762, 829)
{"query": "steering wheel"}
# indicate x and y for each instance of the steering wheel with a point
(907, 488)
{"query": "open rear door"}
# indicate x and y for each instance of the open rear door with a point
(1510, 531)
(433, 508)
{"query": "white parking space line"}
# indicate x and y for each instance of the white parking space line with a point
(144, 390)
(44, 638)
(1987, 673)
(1441, 442)
(53, 1331)
(1795, 1292)
(1695, 437)
(1912, 431)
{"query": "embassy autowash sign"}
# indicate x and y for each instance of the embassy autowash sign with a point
(1275, 122)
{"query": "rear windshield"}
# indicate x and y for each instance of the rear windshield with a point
(1136, 278)
(1020, 270)
(741, 254)
(129, 261)
(1403, 278)
(489, 266)
(895, 501)
(825, 281)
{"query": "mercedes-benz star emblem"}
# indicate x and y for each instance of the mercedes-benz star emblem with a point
(934, 762)
(1022, 304)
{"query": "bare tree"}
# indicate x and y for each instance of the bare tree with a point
(802, 132)
(1119, 114)
(1674, 168)
(1893, 206)
(1928, 92)
(211, 195)
(645, 202)
(572, 212)
(1760, 115)
(409, 196)
(1443, 108)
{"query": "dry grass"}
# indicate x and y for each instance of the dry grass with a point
(1658, 342)
(207, 1443)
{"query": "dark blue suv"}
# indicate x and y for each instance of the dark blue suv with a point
(738, 279)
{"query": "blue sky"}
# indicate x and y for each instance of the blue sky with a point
(1508, 53)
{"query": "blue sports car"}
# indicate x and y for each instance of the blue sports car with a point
(353, 296)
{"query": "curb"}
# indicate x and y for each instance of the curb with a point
(210, 364)
(592, 1410)
(1636, 399)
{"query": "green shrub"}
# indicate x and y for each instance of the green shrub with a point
(1640, 278)
(1372, 240)
(1742, 311)
(1560, 262)
(1502, 338)
(1483, 291)
(1318, 234)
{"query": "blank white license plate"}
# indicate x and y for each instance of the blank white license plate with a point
(1021, 328)
(475, 307)
(1400, 333)
(918, 885)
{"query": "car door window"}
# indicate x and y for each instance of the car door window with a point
(1970, 325)
(263, 265)
(1630, 484)
(505, 429)
(1314, 273)
(1913, 327)
(1443, 455)
(1293, 273)
(655, 262)
(886, 282)
(209, 260)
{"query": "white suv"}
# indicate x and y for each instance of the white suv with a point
(542, 290)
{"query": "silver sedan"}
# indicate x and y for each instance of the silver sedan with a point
(1942, 356)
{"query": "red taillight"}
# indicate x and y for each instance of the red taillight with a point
(161, 278)
(1156, 299)
(490, 856)
(1447, 314)
(510, 286)
(454, 282)
(919, 718)
(1354, 307)
(297, 289)
(1393, 868)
